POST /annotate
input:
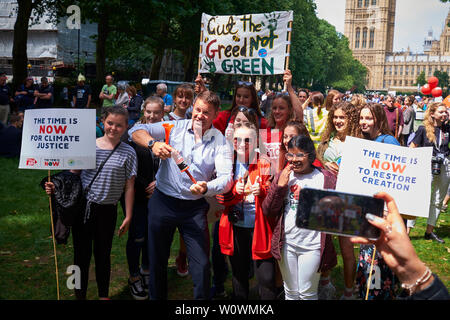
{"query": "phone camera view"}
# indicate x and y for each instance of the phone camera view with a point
(338, 213)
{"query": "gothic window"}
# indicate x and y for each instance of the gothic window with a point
(401, 70)
(374, 2)
(371, 38)
(364, 38)
(359, 3)
(366, 3)
(357, 37)
(412, 70)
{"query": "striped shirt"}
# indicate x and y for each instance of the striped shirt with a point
(110, 182)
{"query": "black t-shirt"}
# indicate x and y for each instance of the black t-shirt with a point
(442, 135)
(82, 93)
(4, 95)
(45, 103)
(28, 99)
(10, 142)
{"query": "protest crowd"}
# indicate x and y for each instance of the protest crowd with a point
(229, 181)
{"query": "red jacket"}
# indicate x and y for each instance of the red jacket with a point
(262, 234)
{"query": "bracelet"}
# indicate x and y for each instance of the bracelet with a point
(424, 278)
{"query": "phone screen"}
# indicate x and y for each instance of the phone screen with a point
(338, 212)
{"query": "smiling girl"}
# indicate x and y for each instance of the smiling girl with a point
(301, 253)
(342, 120)
(93, 231)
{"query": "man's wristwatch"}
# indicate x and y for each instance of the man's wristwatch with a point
(151, 143)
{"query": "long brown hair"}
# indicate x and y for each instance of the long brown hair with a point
(317, 100)
(352, 115)
(291, 116)
(255, 100)
(330, 97)
(380, 121)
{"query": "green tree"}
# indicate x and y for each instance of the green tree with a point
(442, 77)
(421, 80)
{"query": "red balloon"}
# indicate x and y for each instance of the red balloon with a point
(433, 82)
(436, 92)
(426, 89)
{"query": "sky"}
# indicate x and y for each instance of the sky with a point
(413, 20)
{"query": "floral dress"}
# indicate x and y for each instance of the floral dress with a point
(384, 284)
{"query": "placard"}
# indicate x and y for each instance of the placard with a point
(368, 167)
(251, 44)
(55, 139)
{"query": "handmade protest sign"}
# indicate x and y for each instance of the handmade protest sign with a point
(368, 167)
(251, 44)
(58, 139)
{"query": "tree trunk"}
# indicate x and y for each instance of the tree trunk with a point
(103, 31)
(19, 52)
(159, 54)
(188, 65)
(156, 64)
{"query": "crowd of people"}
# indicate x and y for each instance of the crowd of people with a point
(170, 160)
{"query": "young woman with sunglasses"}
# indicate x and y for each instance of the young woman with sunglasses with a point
(302, 254)
(244, 232)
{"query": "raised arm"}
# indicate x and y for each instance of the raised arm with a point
(298, 108)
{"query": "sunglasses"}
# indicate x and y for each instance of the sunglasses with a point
(245, 109)
(300, 155)
(239, 140)
(244, 83)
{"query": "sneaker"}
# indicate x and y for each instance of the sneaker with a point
(433, 236)
(344, 297)
(145, 279)
(326, 292)
(444, 208)
(181, 264)
(216, 294)
(137, 290)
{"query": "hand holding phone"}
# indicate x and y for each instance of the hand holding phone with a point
(338, 213)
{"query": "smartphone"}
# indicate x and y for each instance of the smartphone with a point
(338, 213)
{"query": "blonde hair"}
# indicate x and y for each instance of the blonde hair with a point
(358, 100)
(428, 120)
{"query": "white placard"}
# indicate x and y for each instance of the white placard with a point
(252, 44)
(368, 167)
(55, 139)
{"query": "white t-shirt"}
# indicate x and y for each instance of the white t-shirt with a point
(301, 238)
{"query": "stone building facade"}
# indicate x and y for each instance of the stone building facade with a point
(369, 27)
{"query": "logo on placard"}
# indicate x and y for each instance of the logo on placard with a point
(262, 53)
(52, 162)
(31, 162)
(71, 162)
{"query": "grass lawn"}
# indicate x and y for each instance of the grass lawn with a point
(26, 249)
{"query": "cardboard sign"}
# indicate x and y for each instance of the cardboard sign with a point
(368, 167)
(251, 44)
(55, 139)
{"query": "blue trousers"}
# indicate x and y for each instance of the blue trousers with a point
(165, 214)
